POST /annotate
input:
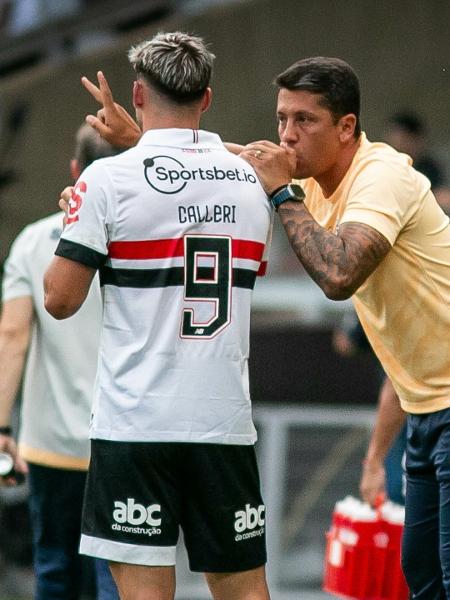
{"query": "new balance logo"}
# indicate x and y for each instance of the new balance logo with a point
(249, 518)
(137, 514)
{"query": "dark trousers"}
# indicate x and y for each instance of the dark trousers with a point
(56, 499)
(426, 537)
(393, 465)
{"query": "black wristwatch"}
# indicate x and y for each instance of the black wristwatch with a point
(291, 191)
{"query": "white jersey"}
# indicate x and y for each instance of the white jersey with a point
(62, 358)
(179, 229)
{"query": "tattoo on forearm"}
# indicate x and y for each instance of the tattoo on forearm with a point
(338, 263)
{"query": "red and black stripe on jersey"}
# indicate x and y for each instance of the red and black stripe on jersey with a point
(159, 249)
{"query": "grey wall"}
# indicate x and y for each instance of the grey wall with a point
(399, 49)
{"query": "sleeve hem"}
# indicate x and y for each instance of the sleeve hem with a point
(379, 224)
(80, 253)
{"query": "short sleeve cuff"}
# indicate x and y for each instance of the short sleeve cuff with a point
(375, 220)
(14, 292)
(81, 254)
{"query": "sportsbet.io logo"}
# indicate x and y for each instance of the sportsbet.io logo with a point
(168, 175)
(247, 521)
(132, 517)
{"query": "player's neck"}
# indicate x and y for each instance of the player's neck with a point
(170, 121)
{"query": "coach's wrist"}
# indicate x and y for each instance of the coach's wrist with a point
(275, 191)
(289, 192)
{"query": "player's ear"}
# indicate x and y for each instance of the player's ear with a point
(138, 94)
(75, 170)
(206, 100)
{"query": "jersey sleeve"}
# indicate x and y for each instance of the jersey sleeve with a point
(16, 281)
(86, 236)
(380, 197)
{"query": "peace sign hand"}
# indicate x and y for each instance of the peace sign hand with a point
(113, 122)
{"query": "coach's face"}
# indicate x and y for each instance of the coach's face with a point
(308, 127)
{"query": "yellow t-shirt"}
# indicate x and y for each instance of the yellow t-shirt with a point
(404, 306)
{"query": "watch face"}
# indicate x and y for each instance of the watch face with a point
(296, 191)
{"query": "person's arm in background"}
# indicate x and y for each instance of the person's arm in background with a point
(390, 419)
(15, 329)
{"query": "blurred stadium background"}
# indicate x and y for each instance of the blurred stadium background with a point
(313, 408)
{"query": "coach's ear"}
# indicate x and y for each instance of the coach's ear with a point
(206, 100)
(347, 125)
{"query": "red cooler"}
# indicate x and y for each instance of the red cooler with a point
(362, 560)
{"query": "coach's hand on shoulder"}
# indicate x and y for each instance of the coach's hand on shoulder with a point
(113, 122)
(63, 202)
(274, 165)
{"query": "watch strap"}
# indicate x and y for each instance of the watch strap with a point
(283, 194)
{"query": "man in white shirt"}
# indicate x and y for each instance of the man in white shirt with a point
(58, 361)
(179, 229)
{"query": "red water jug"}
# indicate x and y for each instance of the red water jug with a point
(362, 559)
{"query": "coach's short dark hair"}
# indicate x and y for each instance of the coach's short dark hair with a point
(332, 78)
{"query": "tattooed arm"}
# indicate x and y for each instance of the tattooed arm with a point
(339, 264)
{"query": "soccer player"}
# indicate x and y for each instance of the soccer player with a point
(58, 364)
(366, 225)
(178, 228)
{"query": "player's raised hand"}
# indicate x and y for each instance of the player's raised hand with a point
(113, 122)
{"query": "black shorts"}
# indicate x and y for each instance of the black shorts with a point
(139, 494)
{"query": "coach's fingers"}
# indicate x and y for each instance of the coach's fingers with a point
(263, 145)
(63, 202)
(92, 89)
(248, 156)
(65, 197)
(290, 152)
(66, 194)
